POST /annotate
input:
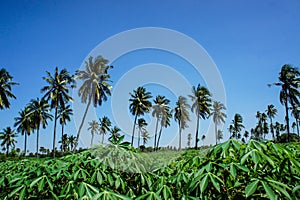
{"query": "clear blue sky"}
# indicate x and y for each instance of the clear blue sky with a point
(248, 41)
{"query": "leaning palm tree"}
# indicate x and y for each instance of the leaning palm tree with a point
(24, 125)
(141, 126)
(182, 115)
(6, 84)
(289, 93)
(237, 124)
(105, 125)
(94, 127)
(7, 136)
(218, 116)
(95, 87)
(64, 115)
(139, 105)
(158, 110)
(201, 99)
(40, 113)
(57, 91)
(165, 122)
(271, 112)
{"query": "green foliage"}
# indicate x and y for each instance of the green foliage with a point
(231, 170)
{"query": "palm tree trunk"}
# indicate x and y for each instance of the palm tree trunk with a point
(92, 139)
(155, 134)
(37, 142)
(272, 129)
(82, 122)
(159, 137)
(25, 143)
(102, 138)
(297, 123)
(133, 130)
(139, 138)
(7, 149)
(197, 132)
(216, 133)
(62, 142)
(287, 118)
(54, 133)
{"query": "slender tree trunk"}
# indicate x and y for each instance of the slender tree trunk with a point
(179, 138)
(157, 145)
(37, 142)
(155, 135)
(287, 118)
(102, 138)
(54, 133)
(7, 149)
(297, 123)
(25, 143)
(139, 136)
(92, 139)
(133, 130)
(197, 132)
(272, 129)
(62, 141)
(82, 122)
(216, 133)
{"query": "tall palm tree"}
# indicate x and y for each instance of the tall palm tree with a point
(289, 93)
(145, 136)
(182, 115)
(40, 113)
(8, 138)
(165, 122)
(94, 127)
(57, 91)
(64, 115)
(271, 112)
(237, 124)
(142, 127)
(201, 99)
(24, 125)
(95, 87)
(6, 84)
(159, 109)
(139, 105)
(218, 116)
(105, 125)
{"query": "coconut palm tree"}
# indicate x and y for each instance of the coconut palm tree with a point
(218, 116)
(94, 127)
(64, 115)
(145, 136)
(105, 125)
(271, 112)
(201, 99)
(219, 135)
(139, 105)
(6, 84)
(7, 136)
(57, 91)
(231, 131)
(237, 124)
(189, 139)
(64, 143)
(71, 141)
(115, 132)
(158, 110)
(203, 138)
(95, 87)
(289, 93)
(165, 122)
(246, 135)
(182, 115)
(24, 125)
(142, 127)
(40, 113)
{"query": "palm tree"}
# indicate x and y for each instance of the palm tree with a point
(203, 138)
(231, 131)
(182, 115)
(105, 125)
(96, 85)
(271, 112)
(139, 105)
(219, 135)
(201, 99)
(57, 91)
(246, 134)
(165, 122)
(24, 125)
(64, 115)
(40, 113)
(8, 138)
(5, 88)
(218, 116)
(237, 124)
(189, 139)
(159, 109)
(289, 93)
(145, 136)
(142, 127)
(64, 143)
(115, 132)
(94, 127)
(71, 141)
(296, 114)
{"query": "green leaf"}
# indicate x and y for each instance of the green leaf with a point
(204, 183)
(99, 178)
(251, 188)
(232, 171)
(35, 181)
(281, 190)
(268, 190)
(13, 193)
(215, 183)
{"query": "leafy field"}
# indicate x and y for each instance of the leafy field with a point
(231, 170)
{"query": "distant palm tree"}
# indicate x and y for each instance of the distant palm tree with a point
(218, 116)
(246, 135)
(219, 135)
(165, 122)
(139, 105)
(64, 115)
(64, 143)
(94, 127)
(237, 124)
(8, 138)
(71, 141)
(189, 139)
(24, 125)
(96, 86)
(115, 132)
(105, 125)
(201, 99)
(5, 88)
(203, 138)
(231, 131)
(40, 113)
(271, 112)
(57, 91)
(182, 115)
(289, 93)
(145, 137)
(142, 128)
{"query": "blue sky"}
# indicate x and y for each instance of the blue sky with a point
(248, 41)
